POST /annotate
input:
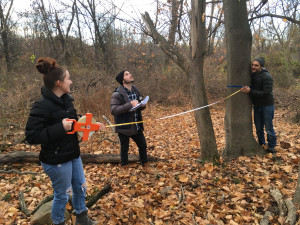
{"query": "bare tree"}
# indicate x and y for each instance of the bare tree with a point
(46, 19)
(5, 30)
(238, 122)
(63, 38)
(213, 26)
(271, 20)
(193, 67)
(54, 23)
(203, 117)
(79, 31)
(101, 31)
(174, 24)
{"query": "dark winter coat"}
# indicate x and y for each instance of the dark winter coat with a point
(45, 127)
(262, 88)
(120, 106)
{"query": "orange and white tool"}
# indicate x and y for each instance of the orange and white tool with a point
(85, 126)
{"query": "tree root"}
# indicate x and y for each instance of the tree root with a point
(265, 219)
(286, 209)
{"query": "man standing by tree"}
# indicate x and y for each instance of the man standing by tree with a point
(123, 100)
(261, 92)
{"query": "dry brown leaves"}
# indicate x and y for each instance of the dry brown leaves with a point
(182, 191)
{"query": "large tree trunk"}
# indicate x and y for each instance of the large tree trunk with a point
(203, 119)
(238, 120)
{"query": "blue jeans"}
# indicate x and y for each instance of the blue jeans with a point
(67, 178)
(263, 117)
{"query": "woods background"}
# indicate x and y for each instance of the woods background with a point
(95, 40)
(95, 43)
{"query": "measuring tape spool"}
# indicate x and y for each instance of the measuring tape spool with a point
(83, 120)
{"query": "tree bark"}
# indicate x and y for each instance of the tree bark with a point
(203, 118)
(238, 120)
(173, 27)
(171, 51)
(33, 157)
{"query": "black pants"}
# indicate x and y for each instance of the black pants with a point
(140, 141)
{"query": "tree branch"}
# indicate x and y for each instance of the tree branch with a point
(276, 16)
(170, 51)
(101, 193)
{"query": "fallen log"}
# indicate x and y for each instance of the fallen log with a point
(33, 157)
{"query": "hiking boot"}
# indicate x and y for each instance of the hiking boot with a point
(271, 150)
(83, 219)
(147, 168)
(125, 170)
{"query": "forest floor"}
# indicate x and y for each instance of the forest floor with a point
(182, 190)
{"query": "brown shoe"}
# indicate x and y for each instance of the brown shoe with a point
(125, 169)
(147, 168)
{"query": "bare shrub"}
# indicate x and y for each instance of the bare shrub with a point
(280, 68)
(16, 97)
(95, 101)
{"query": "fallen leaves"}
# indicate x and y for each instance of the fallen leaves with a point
(182, 190)
(183, 178)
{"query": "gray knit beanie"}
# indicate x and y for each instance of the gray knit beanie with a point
(261, 61)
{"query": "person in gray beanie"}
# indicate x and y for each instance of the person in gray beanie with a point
(261, 61)
(261, 92)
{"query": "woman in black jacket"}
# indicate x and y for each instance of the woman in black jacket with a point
(60, 154)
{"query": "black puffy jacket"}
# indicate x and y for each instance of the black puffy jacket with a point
(44, 126)
(262, 88)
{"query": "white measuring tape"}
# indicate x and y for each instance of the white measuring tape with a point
(178, 114)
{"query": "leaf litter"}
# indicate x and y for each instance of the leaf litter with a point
(182, 190)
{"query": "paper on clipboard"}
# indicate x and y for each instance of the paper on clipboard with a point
(141, 104)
